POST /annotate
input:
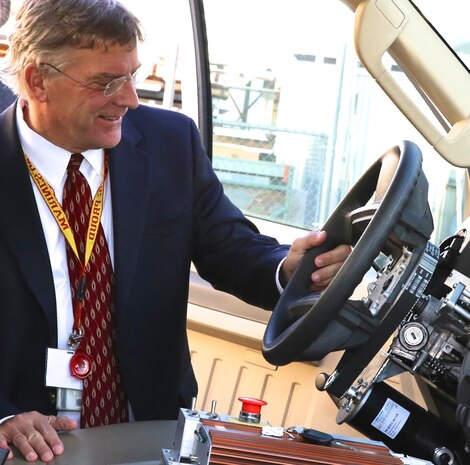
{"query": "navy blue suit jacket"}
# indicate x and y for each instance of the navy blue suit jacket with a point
(7, 97)
(168, 209)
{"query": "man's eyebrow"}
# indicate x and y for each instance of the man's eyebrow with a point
(110, 76)
(105, 75)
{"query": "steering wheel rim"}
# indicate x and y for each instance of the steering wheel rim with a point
(392, 178)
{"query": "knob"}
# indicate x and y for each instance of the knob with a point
(251, 409)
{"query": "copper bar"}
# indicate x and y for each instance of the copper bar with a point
(235, 444)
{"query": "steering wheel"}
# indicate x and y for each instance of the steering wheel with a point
(398, 188)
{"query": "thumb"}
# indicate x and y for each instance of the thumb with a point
(63, 423)
(315, 238)
(4, 445)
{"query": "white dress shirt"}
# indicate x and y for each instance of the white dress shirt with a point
(51, 161)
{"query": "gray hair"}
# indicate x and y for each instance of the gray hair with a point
(46, 29)
(4, 11)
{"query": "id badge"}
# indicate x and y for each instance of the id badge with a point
(58, 370)
(69, 400)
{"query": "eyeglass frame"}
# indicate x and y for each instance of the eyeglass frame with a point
(119, 82)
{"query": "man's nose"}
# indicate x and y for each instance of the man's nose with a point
(127, 96)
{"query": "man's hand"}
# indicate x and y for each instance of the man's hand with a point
(328, 263)
(35, 435)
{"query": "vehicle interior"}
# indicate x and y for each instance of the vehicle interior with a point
(350, 116)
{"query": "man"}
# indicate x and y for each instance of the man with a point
(157, 207)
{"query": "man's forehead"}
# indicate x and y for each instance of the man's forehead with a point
(101, 58)
(106, 48)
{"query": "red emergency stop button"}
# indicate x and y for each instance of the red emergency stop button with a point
(251, 409)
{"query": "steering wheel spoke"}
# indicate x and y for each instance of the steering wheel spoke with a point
(384, 213)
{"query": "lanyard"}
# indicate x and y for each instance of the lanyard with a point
(55, 207)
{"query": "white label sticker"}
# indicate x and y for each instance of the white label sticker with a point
(391, 418)
(58, 370)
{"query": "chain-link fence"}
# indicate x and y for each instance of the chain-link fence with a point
(268, 171)
(264, 186)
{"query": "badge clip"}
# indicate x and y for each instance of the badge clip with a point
(75, 337)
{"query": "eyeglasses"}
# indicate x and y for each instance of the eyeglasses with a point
(111, 87)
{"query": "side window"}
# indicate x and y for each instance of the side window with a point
(175, 56)
(167, 54)
(297, 119)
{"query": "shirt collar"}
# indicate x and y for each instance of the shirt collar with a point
(49, 159)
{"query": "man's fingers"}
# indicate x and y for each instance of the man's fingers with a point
(21, 442)
(54, 425)
(4, 445)
(48, 427)
(35, 435)
(330, 263)
(338, 255)
(51, 438)
(41, 442)
(312, 239)
(297, 251)
(62, 423)
(321, 279)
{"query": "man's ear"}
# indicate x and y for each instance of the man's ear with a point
(34, 80)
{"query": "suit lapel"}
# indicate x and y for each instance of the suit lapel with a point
(129, 176)
(20, 223)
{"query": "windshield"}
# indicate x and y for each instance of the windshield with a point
(297, 118)
(290, 93)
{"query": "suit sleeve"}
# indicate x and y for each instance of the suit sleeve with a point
(6, 410)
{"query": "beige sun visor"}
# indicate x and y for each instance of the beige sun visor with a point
(396, 27)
